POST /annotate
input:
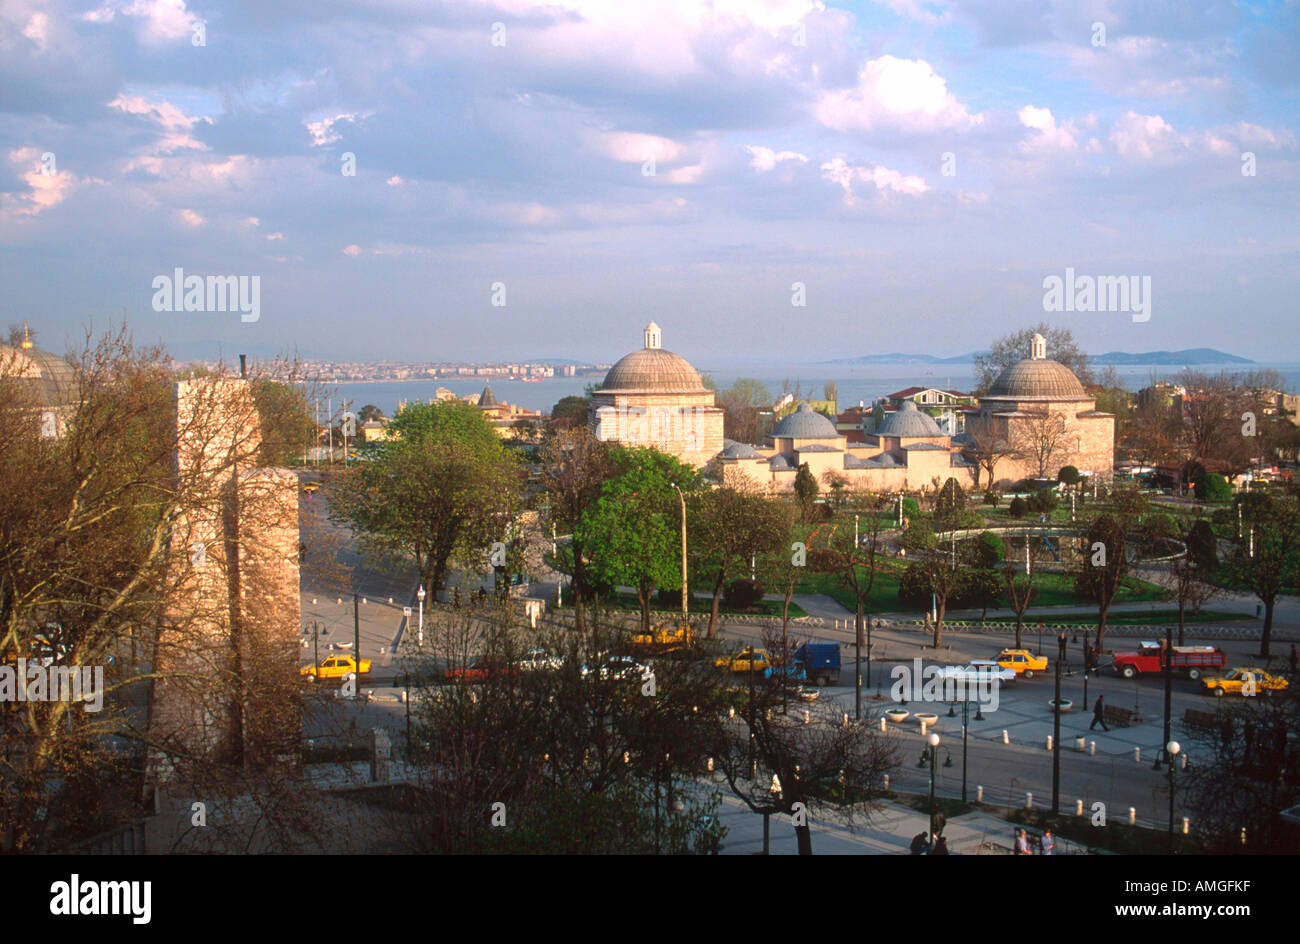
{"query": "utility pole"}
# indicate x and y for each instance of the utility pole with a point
(684, 590)
(356, 637)
(1056, 730)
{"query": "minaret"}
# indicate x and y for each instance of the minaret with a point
(1038, 348)
(652, 337)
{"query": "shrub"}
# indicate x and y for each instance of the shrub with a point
(950, 501)
(1213, 487)
(1018, 507)
(1069, 475)
(910, 508)
(1042, 502)
(1202, 546)
(992, 497)
(742, 594)
(918, 536)
(987, 550)
(914, 587)
(967, 520)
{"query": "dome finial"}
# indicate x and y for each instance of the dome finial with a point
(27, 338)
(652, 336)
(1038, 348)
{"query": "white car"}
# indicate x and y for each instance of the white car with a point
(621, 667)
(537, 659)
(978, 670)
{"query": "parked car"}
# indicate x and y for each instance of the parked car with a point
(1021, 661)
(622, 668)
(538, 659)
(1241, 680)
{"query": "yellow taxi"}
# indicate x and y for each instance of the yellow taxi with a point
(311, 487)
(335, 667)
(1021, 661)
(1243, 681)
(747, 660)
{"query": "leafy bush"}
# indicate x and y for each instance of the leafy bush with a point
(950, 501)
(1018, 507)
(1212, 487)
(914, 587)
(918, 536)
(987, 550)
(910, 508)
(967, 520)
(742, 594)
(992, 497)
(1069, 475)
(1043, 502)
(1202, 546)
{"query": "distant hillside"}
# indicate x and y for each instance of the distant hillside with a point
(1193, 356)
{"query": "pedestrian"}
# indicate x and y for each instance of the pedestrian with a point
(1046, 844)
(1098, 714)
(920, 844)
(1022, 843)
(941, 847)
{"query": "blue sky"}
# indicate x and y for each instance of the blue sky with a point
(792, 141)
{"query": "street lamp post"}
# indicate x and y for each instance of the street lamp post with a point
(934, 752)
(1056, 731)
(1171, 751)
(965, 709)
(420, 594)
(684, 591)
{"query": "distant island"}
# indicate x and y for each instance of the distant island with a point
(1192, 357)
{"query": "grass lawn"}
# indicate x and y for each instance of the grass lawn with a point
(1131, 618)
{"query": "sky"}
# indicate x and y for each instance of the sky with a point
(766, 179)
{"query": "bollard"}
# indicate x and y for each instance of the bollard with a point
(731, 712)
(1185, 825)
(710, 765)
(1080, 744)
(390, 601)
(1049, 742)
(1006, 738)
(1243, 835)
(1184, 759)
(1078, 807)
(1092, 748)
(364, 600)
(402, 696)
(382, 649)
(884, 725)
(1137, 755)
(846, 719)
(313, 601)
(1132, 816)
(922, 729)
(886, 783)
(338, 600)
(979, 794)
(806, 717)
(1029, 801)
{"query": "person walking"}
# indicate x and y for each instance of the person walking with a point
(941, 847)
(1046, 844)
(1022, 843)
(1099, 714)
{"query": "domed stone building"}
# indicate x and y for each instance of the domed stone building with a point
(653, 397)
(45, 383)
(1038, 410)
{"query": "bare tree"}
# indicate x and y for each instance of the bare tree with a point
(987, 448)
(1040, 439)
(1010, 348)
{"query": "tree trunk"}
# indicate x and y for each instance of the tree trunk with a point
(1182, 624)
(938, 621)
(643, 598)
(1020, 622)
(1267, 636)
(804, 835)
(1101, 626)
(717, 597)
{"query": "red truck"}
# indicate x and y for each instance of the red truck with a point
(1192, 661)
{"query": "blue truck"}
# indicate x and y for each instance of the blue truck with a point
(817, 662)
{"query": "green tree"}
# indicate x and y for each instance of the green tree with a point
(1069, 475)
(444, 487)
(1104, 566)
(1212, 487)
(1266, 561)
(575, 466)
(570, 413)
(634, 531)
(734, 523)
(805, 489)
(741, 404)
(949, 503)
(285, 413)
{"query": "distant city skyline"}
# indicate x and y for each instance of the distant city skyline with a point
(372, 177)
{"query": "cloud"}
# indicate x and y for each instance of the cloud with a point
(839, 171)
(1145, 137)
(161, 21)
(322, 132)
(1049, 134)
(765, 159)
(900, 94)
(44, 191)
(190, 218)
(176, 125)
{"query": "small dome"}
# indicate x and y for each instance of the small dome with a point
(806, 423)
(1037, 378)
(737, 450)
(655, 370)
(907, 420)
(487, 397)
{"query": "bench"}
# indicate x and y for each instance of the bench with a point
(1119, 717)
(1195, 718)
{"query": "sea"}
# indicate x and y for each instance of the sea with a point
(853, 384)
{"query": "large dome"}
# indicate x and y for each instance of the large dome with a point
(907, 420)
(653, 370)
(656, 370)
(806, 423)
(1037, 378)
(47, 378)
